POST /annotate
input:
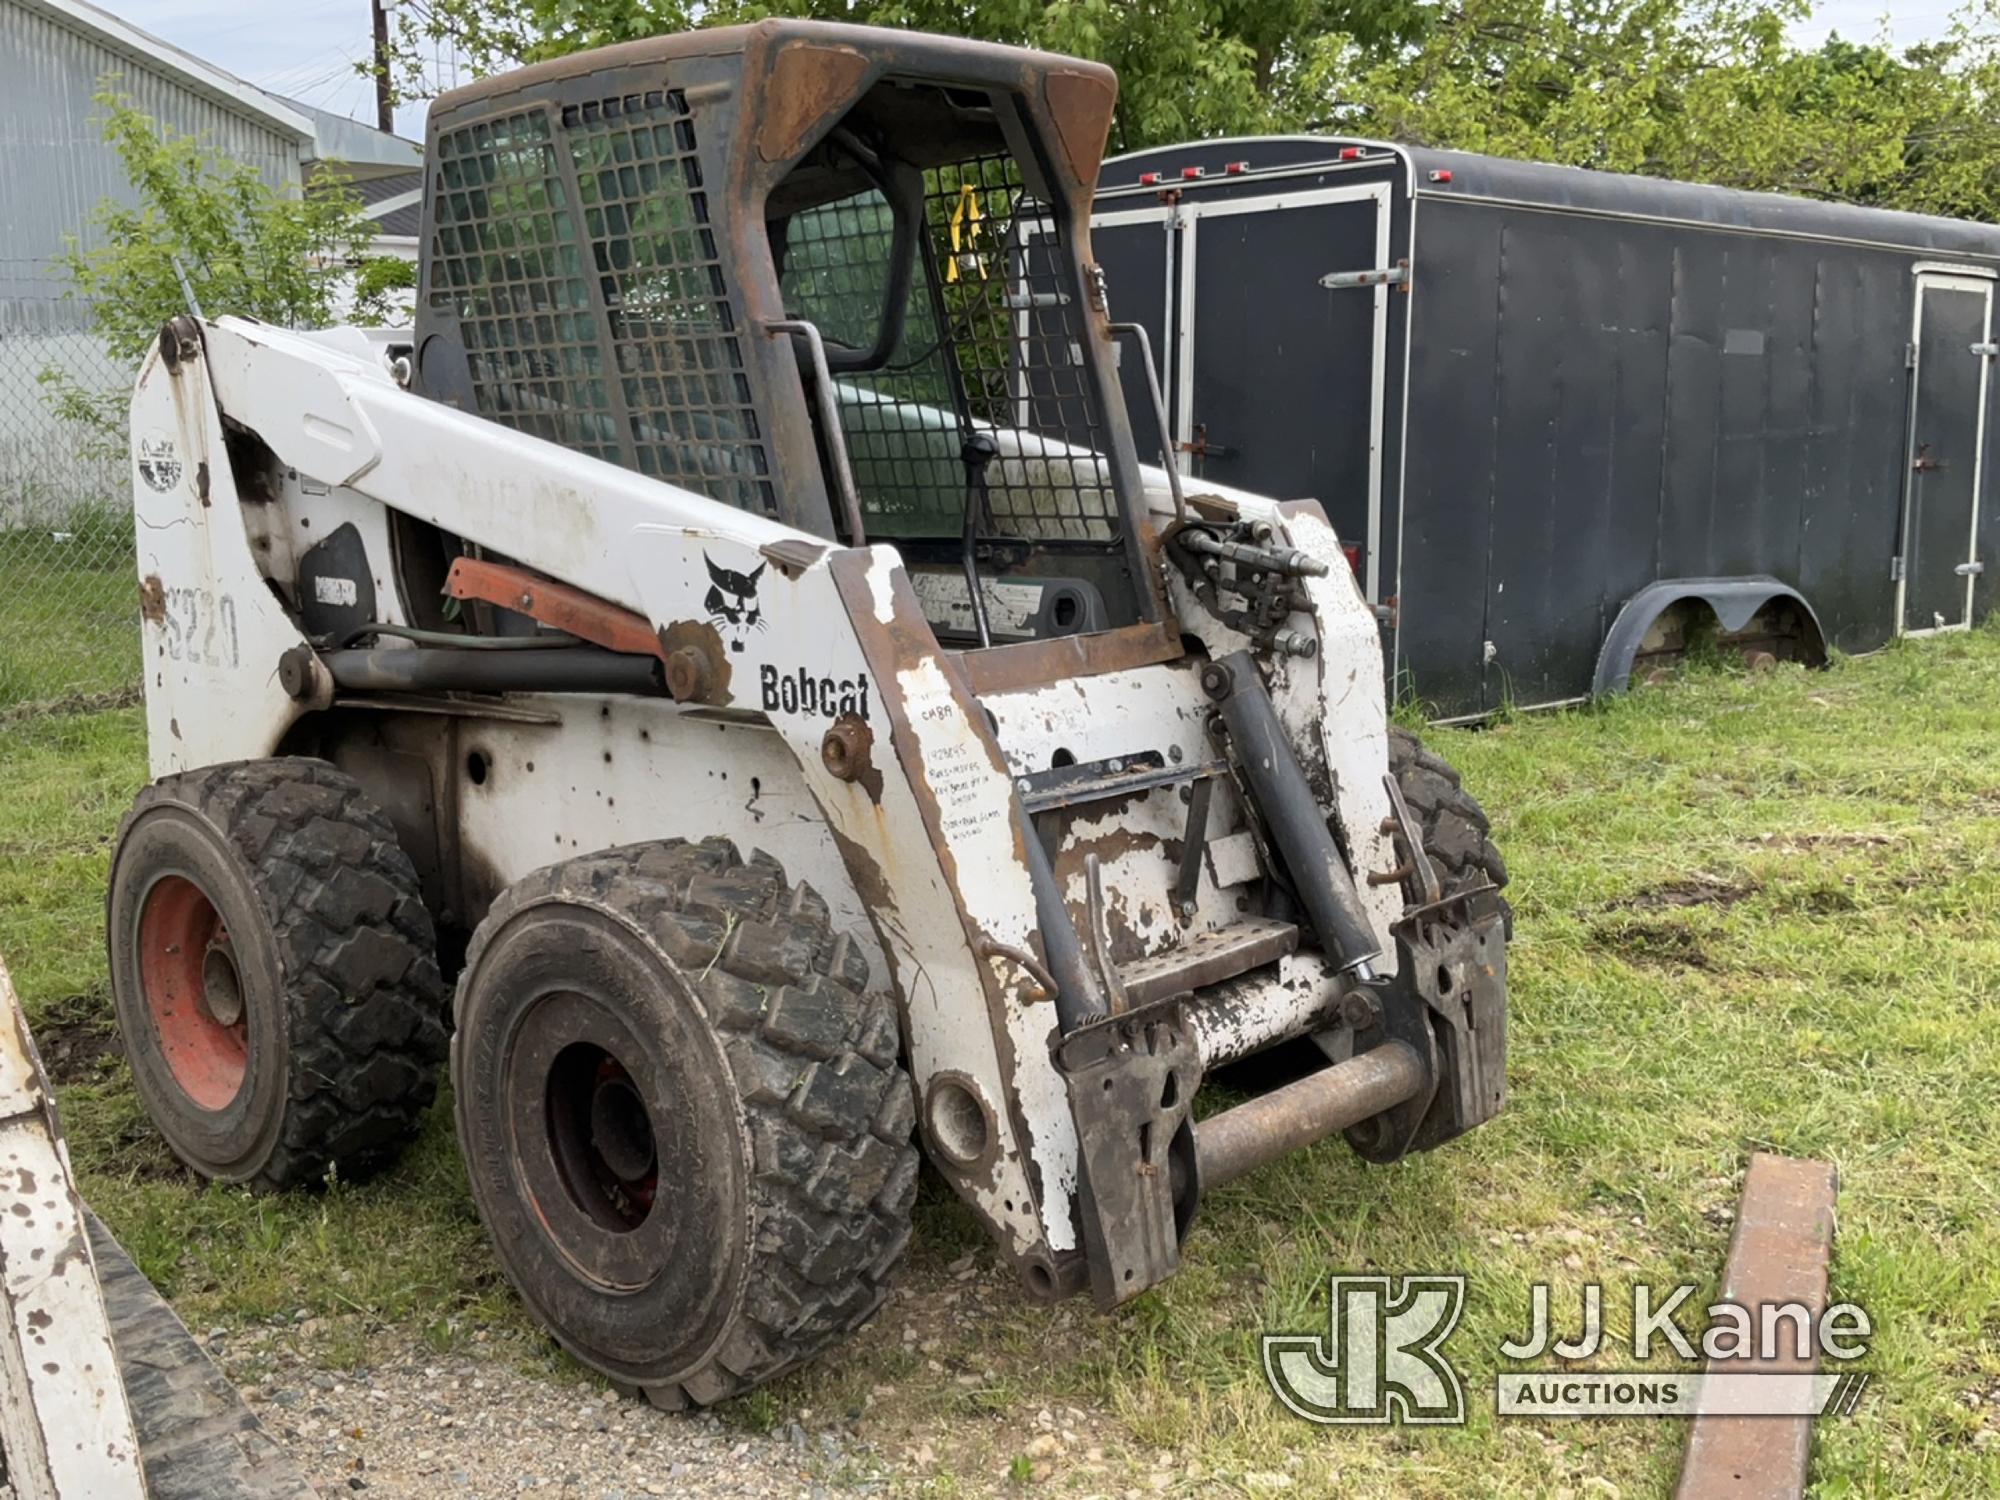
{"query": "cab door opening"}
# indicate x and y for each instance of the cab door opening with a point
(921, 240)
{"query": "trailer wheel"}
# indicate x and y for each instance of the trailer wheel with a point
(683, 1115)
(274, 973)
(1456, 832)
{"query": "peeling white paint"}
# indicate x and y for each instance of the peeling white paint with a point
(65, 1422)
(883, 564)
(975, 803)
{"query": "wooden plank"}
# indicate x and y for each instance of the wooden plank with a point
(1778, 1254)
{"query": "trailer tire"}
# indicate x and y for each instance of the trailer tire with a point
(305, 1036)
(666, 1023)
(1456, 832)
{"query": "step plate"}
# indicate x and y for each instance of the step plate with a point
(1208, 958)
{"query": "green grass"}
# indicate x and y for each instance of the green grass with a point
(69, 610)
(1753, 913)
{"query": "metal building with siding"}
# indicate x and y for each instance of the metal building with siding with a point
(55, 168)
(53, 54)
(1566, 415)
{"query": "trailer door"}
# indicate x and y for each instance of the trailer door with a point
(1136, 248)
(1951, 337)
(1281, 379)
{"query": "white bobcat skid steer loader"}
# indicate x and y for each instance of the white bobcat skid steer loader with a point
(735, 633)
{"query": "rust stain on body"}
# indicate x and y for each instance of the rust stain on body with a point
(153, 600)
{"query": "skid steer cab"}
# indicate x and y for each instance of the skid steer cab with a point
(733, 634)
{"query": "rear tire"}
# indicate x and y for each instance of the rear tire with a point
(1456, 832)
(683, 1115)
(274, 972)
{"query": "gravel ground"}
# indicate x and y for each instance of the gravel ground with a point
(419, 1424)
(385, 1414)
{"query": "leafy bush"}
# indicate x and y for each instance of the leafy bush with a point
(211, 231)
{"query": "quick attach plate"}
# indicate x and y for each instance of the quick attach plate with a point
(1450, 989)
(1456, 949)
(1132, 1079)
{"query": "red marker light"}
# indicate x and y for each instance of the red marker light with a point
(1188, 174)
(1440, 176)
(1149, 179)
(1235, 167)
(1350, 153)
(1353, 551)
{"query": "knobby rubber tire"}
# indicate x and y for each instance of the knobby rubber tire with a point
(818, 1144)
(1456, 832)
(346, 1004)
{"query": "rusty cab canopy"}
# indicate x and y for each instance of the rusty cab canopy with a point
(609, 239)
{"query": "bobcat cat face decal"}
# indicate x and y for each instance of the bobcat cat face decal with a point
(732, 601)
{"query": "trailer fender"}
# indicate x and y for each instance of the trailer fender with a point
(1734, 602)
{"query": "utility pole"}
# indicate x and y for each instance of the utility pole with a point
(385, 103)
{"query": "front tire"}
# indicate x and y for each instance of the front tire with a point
(1456, 832)
(274, 973)
(683, 1116)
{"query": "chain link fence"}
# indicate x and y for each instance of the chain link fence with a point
(69, 614)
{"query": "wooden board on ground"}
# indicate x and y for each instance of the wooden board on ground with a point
(1778, 1254)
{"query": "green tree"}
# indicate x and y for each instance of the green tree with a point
(1704, 90)
(1187, 68)
(243, 247)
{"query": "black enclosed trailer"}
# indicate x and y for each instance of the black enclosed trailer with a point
(1566, 418)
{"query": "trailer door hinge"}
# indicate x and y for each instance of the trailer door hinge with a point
(1395, 275)
(1909, 356)
(1895, 570)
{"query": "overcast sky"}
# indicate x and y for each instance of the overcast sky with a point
(307, 49)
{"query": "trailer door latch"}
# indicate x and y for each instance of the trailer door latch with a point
(1986, 351)
(1396, 275)
(1969, 569)
(1201, 447)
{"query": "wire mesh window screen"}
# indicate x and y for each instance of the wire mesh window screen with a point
(507, 264)
(680, 353)
(656, 379)
(992, 343)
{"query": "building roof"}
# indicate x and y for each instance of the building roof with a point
(359, 150)
(394, 203)
(356, 150)
(211, 82)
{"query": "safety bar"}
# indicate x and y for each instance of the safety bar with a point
(829, 419)
(1137, 331)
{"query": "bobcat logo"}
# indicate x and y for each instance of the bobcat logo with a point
(159, 464)
(732, 601)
